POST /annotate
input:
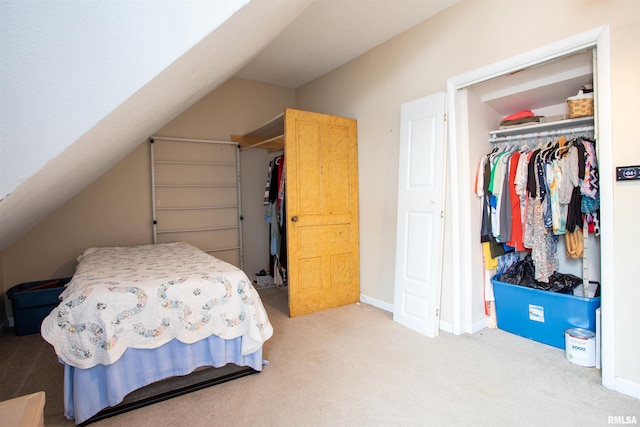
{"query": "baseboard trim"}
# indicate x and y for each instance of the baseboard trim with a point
(376, 303)
(446, 326)
(475, 327)
(480, 325)
(627, 387)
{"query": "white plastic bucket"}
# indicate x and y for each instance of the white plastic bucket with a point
(580, 346)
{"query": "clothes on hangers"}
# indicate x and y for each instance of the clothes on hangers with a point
(274, 203)
(533, 196)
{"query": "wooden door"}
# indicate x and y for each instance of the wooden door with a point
(420, 214)
(322, 211)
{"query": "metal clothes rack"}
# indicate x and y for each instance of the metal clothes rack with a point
(189, 163)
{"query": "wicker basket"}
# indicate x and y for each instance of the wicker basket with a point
(580, 107)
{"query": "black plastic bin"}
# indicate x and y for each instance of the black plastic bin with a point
(31, 302)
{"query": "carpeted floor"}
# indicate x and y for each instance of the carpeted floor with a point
(354, 366)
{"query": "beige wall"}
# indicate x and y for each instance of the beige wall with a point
(468, 36)
(625, 75)
(116, 209)
(236, 107)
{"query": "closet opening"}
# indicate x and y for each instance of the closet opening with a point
(537, 98)
(539, 81)
(264, 216)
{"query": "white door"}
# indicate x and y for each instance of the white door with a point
(420, 227)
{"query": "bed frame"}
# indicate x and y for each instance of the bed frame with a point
(173, 387)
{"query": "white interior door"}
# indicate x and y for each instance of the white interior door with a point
(420, 214)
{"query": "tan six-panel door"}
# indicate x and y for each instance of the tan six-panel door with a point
(322, 211)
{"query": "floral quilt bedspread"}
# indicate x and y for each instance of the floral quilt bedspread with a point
(146, 296)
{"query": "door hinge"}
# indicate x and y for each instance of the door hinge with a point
(441, 214)
(437, 312)
(445, 117)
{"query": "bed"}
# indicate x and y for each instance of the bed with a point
(135, 316)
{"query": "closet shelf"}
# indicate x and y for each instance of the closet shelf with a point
(543, 127)
(269, 136)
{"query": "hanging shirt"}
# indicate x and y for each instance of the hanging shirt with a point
(516, 240)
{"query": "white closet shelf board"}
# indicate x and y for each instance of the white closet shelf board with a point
(269, 136)
(539, 86)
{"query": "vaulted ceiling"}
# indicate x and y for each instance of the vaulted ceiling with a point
(282, 42)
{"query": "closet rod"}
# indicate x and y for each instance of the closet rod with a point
(205, 141)
(532, 135)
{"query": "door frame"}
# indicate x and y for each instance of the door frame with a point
(460, 177)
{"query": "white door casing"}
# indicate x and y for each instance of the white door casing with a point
(420, 223)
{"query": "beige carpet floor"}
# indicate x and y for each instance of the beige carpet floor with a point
(354, 366)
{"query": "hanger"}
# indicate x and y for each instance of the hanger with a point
(541, 143)
(564, 149)
(548, 149)
(553, 152)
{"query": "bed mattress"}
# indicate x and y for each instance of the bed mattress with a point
(146, 296)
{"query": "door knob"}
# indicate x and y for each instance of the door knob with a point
(294, 218)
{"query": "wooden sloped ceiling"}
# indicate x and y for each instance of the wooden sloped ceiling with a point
(196, 73)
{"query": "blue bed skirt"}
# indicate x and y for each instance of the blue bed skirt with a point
(89, 391)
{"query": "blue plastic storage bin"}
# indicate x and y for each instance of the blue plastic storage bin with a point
(31, 302)
(542, 315)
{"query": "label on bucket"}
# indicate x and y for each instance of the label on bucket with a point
(536, 313)
(580, 347)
